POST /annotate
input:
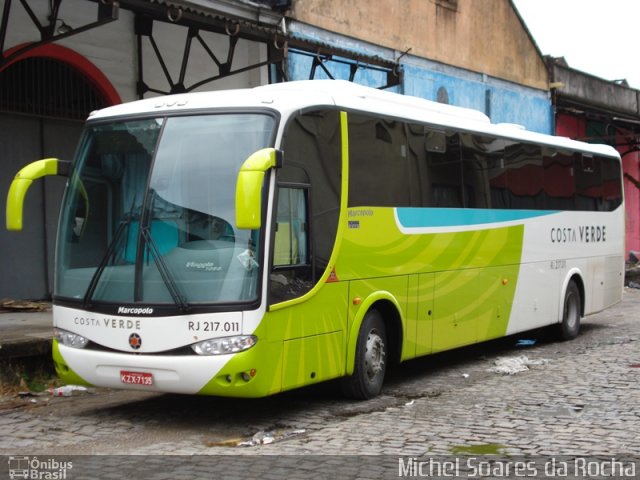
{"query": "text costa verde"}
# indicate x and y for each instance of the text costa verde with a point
(581, 234)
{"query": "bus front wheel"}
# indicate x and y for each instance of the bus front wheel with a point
(571, 313)
(370, 361)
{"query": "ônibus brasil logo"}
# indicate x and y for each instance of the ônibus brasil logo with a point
(33, 467)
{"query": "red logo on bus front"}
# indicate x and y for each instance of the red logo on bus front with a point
(135, 341)
(136, 378)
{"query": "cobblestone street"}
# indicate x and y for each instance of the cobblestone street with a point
(580, 398)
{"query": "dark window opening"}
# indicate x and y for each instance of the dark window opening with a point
(396, 164)
(48, 88)
(380, 165)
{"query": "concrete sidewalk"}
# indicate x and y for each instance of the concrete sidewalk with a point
(25, 333)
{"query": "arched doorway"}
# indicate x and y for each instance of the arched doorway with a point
(45, 96)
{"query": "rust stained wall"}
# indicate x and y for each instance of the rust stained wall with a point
(483, 36)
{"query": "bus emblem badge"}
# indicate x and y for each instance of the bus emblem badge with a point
(135, 341)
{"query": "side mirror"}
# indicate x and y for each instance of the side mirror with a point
(22, 182)
(249, 186)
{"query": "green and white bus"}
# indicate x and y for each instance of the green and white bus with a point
(246, 242)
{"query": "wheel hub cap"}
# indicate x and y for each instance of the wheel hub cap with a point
(374, 356)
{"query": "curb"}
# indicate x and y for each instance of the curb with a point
(27, 357)
(27, 348)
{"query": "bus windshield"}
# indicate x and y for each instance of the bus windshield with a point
(149, 212)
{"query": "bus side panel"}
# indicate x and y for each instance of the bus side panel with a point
(313, 359)
(472, 305)
(537, 300)
(608, 282)
(561, 244)
(312, 336)
(423, 297)
(466, 279)
(374, 245)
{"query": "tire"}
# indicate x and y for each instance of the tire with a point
(571, 313)
(370, 360)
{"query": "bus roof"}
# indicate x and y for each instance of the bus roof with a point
(290, 97)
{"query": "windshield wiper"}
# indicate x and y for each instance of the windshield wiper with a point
(147, 241)
(104, 261)
(165, 273)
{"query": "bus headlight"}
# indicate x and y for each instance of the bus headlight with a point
(224, 345)
(70, 339)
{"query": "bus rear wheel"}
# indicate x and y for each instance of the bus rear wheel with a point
(370, 361)
(570, 325)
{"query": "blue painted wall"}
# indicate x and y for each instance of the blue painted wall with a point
(300, 67)
(502, 101)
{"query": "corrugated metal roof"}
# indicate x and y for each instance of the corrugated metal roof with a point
(254, 19)
(225, 10)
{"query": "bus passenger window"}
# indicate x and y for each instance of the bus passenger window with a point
(559, 180)
(588, 177)
(611, 184)
(380, 166)
(525, 176)
(446, 175)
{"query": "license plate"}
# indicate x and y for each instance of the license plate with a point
(136, 378)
